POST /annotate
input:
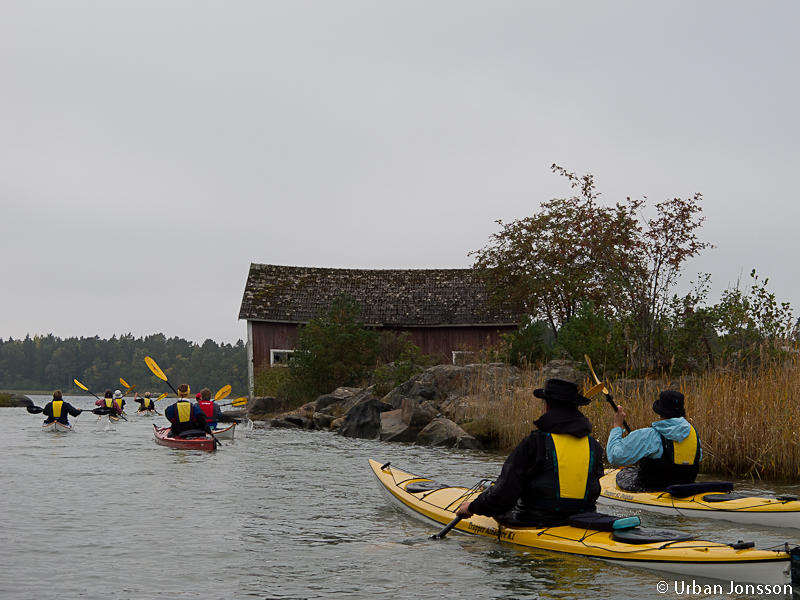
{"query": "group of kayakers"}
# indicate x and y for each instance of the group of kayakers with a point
(555, 471)
(184, 416)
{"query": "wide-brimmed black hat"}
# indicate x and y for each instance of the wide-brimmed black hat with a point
(669, 404)
(559, 390)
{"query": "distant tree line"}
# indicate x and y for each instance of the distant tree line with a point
(48, 362)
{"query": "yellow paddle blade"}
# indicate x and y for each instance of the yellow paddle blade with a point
(129, 390)
(125, 383)
(155, 368)
(596, 378)
(239, 401)
(162, 396)
(80, 385)
(223, 392)
(594, 390)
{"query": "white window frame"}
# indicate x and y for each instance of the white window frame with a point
(457, 353)
(274, 351)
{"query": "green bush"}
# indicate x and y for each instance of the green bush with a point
(527, 345)
(332, 351)
(401, 360)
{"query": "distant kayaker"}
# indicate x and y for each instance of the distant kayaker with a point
(185, 416)
(110, 401)
(145, 403)
(58, 409)
(668, 452)
(211, 409)
(553, 473)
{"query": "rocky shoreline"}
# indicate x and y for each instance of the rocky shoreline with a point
(430, 409)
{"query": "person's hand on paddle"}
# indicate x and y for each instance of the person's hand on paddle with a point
(619, 416)
(463, 511)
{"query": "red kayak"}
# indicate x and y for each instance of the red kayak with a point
(206, 443)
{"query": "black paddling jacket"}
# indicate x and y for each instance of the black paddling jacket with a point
(554, 472)
(679, 463)
(57, 410)
(184, 416)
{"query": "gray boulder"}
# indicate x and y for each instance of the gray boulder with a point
(395, 429)
(322, 420)
(336, 397)
(267, 405)
(363, 420)
(443, 432)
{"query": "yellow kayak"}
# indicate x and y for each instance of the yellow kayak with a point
(661, 550)
(777, 511)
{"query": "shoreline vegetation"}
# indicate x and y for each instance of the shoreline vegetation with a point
(747, 421)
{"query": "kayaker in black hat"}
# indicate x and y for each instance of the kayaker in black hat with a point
(668, 452)
(185, 416)
(553, 473)
(58, 409)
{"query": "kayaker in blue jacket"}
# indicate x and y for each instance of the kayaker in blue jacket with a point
(185, 416)
(668, 452)
(58, 409)
(553, 473)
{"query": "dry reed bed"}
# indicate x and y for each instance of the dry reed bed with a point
(748, 422)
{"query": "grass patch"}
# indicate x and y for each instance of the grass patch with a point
(5, 399)
(748, 422)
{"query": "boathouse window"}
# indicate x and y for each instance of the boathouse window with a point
(463, 357)
(280, 358)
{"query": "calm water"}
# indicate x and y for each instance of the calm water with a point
(105, 513)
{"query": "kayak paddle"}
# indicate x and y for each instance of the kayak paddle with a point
(83, 387)
(100, 410)
(605, 390)
(153, 366)
(447, 528)
(238, 402)
(223, 392)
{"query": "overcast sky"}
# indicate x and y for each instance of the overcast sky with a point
(151, 150)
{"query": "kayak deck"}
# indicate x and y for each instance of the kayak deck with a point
(56, 427)
(161, 434)
(760, 510)
(225, 433)
(438, 503)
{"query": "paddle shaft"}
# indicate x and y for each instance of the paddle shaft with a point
(606, 393)
(613, 404)
(447, 528)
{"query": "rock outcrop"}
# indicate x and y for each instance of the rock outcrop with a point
(426, 409)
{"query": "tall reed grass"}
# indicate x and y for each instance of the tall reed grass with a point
(748, 422)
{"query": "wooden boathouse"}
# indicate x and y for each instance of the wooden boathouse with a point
(445, 311)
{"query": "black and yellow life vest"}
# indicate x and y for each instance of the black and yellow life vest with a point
(566, 480)
(184, 411)
(679, 463)
(58, 405)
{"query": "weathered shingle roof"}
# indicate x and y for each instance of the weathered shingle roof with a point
(388, 297)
